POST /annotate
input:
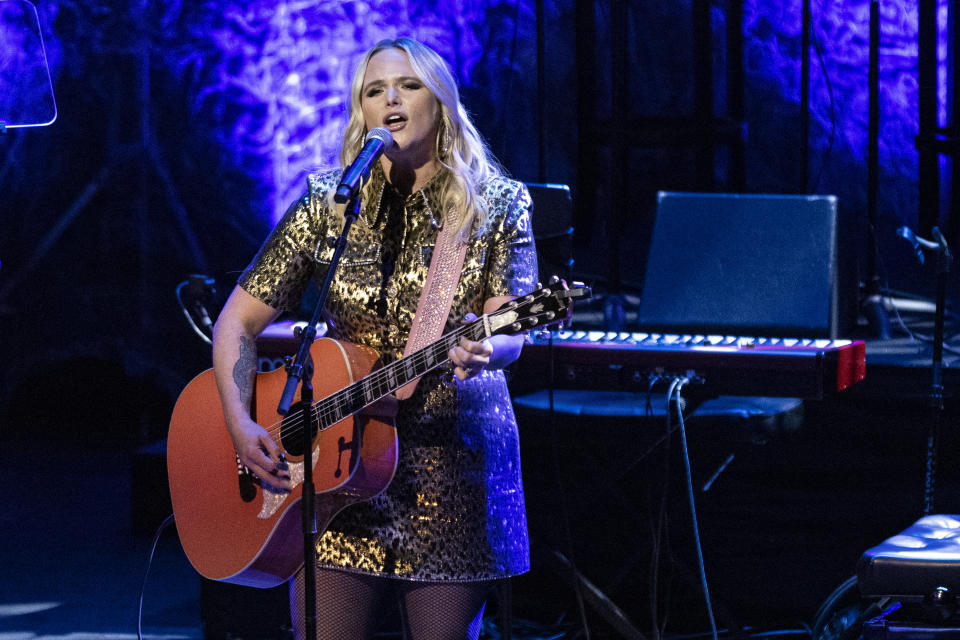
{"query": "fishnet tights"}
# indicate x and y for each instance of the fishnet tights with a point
(349, 606)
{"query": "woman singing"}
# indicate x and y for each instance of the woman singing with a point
(452, 520)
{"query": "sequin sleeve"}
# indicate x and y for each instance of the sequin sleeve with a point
(512, 266)
(282, 268)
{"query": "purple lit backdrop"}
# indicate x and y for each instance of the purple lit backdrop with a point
(268, 81)
(839, 122)
(275, 80)
(272, 77)
(277, 75)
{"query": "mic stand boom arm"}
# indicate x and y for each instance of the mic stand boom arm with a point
(300, 369)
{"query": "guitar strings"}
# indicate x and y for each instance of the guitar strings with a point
(329, 406)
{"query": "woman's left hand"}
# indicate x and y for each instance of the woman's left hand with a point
(469, 358)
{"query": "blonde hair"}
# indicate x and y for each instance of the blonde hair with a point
(459, 147)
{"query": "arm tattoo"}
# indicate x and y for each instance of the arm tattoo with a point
(244, 368)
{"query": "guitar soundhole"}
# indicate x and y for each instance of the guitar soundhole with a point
(291, 430)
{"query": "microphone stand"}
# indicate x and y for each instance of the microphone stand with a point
(935, 404)
(301, 369)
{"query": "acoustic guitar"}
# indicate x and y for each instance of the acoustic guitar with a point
(235, 530)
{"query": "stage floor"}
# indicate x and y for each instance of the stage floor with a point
(71, 567)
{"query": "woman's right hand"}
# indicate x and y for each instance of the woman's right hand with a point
(259, 453)
(234, 365)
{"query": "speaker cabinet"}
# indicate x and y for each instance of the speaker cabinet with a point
(762, 265)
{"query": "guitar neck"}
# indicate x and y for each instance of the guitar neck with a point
(540, 308)
(382, 382)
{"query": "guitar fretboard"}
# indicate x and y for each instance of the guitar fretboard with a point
(364, 392)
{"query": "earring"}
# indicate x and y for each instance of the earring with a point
(443, 140)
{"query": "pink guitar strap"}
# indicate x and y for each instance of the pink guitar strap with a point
(437, 296)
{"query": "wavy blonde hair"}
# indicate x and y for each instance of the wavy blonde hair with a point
(459, 147)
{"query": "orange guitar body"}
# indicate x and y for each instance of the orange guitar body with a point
(231, 529)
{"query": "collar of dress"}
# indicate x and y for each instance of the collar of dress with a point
(427, 199)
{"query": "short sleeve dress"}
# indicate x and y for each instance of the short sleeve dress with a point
(454, 510)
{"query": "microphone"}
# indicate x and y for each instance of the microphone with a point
(377, 141)
(907, 234)
(201, 288)
(919, 244)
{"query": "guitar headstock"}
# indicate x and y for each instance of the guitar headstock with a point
(544, 307)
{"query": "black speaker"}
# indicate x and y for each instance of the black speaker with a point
(761, 265)
(552, 229)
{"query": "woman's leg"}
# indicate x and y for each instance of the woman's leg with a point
(348, 604)
(443, 611)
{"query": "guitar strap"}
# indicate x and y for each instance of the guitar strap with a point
(446, 264)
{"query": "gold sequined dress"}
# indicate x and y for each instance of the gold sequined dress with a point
(454, 510)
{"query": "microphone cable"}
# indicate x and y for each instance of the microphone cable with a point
(558, 478)
(675, 387)
(143, 587)
(198, 308)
